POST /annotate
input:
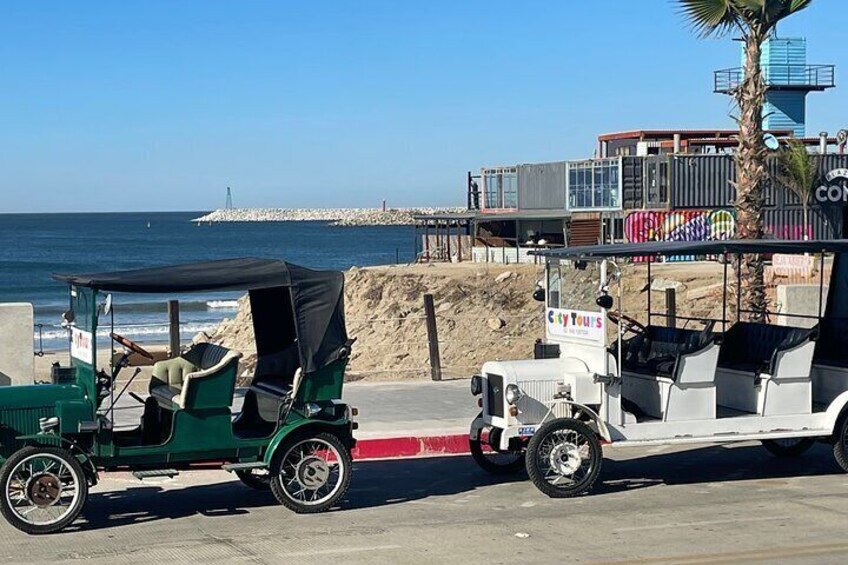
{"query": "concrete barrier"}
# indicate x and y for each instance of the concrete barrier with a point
(800, 299)
(17, 364)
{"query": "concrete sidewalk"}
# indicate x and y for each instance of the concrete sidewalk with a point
(399, 419)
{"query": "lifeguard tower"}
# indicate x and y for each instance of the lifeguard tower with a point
(788, 79)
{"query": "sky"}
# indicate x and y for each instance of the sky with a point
(160, 105)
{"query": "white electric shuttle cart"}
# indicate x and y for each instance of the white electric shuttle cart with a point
(697, 381)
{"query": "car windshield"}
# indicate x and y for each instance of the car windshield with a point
(573, 288)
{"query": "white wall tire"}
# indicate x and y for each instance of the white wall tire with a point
(564, 458)
(840, 442)
(312, 472)
(789, 447)
(44, 489)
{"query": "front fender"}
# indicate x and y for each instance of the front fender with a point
(603, 430)
(339, 427)
(476, 427)
(835, 410)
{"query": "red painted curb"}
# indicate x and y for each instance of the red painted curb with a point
(398, 447)
(382, 448)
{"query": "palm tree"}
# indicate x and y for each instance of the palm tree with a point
(754, 20)
(799, 171)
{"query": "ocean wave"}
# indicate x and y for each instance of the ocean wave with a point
(132, 331)
(222, 304)
(151, 307)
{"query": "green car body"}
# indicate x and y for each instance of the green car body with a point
(76, 416)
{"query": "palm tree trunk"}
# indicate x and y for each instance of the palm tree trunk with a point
(751, 174)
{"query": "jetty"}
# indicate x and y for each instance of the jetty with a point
(335, 216)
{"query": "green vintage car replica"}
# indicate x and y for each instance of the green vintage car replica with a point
(292, 436)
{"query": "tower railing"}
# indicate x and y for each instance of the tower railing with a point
(779, 77)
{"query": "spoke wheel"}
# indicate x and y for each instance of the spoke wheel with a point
(312, 473)
(44, 489)
(257, 479)
(564, 458)
(494, 461)
(840, 442)
(788, 447)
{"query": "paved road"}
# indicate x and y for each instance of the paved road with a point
(399, 409)
(659, 505)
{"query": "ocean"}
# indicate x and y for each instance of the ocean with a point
(36, 245)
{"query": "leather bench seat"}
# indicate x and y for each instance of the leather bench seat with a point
(657, 350)
(750, 347)
(271, 388)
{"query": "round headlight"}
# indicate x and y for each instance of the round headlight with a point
(476, 385)
(513, 394)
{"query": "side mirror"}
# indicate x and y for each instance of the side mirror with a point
(106, 307)
(539, 294)
(605, 301)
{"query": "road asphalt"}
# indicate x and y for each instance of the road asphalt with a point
(411, 408)
(659, 505)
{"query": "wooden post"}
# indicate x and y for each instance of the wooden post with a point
(432, 338)
(458, 242)
(174, 327)
(671, 307)
(448, 231)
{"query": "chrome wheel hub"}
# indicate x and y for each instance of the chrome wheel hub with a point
(313, 472)
(565, 459)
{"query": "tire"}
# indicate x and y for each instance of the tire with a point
(840, 443)
(36, 487)
(288, 473)
(255, 480)
(498, 463)
(789, 447)
(554, 451)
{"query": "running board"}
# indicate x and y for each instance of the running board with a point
(141, 475)
(230, 467)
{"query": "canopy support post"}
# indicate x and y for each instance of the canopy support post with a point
(174, 328)
(821, 285)
(738, 287)
(724, 296)
(650, 284)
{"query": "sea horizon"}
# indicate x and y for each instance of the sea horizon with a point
(39, 244)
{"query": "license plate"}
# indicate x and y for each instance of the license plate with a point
(527, 431)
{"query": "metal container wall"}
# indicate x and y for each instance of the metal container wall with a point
(631, 183)
(702, 181)
(542, 186)
(788, 223)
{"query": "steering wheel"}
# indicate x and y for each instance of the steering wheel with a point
(627, 323)
(131, 345)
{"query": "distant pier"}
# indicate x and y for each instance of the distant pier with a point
(336, 216)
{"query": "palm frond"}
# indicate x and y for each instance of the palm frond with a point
(774, 11)
(799, 170)
(709, 17)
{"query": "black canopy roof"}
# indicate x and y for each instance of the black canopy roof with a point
(317, 297)
(660, 248)
(226, 274)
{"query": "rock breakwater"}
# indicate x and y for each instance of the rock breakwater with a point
(336, 216)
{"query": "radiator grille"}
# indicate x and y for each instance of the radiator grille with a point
(532, 407)
(495, 395)
(17, 422)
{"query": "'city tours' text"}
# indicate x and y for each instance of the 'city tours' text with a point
(575, 319)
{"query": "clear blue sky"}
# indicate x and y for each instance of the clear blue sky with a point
(159, 105)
